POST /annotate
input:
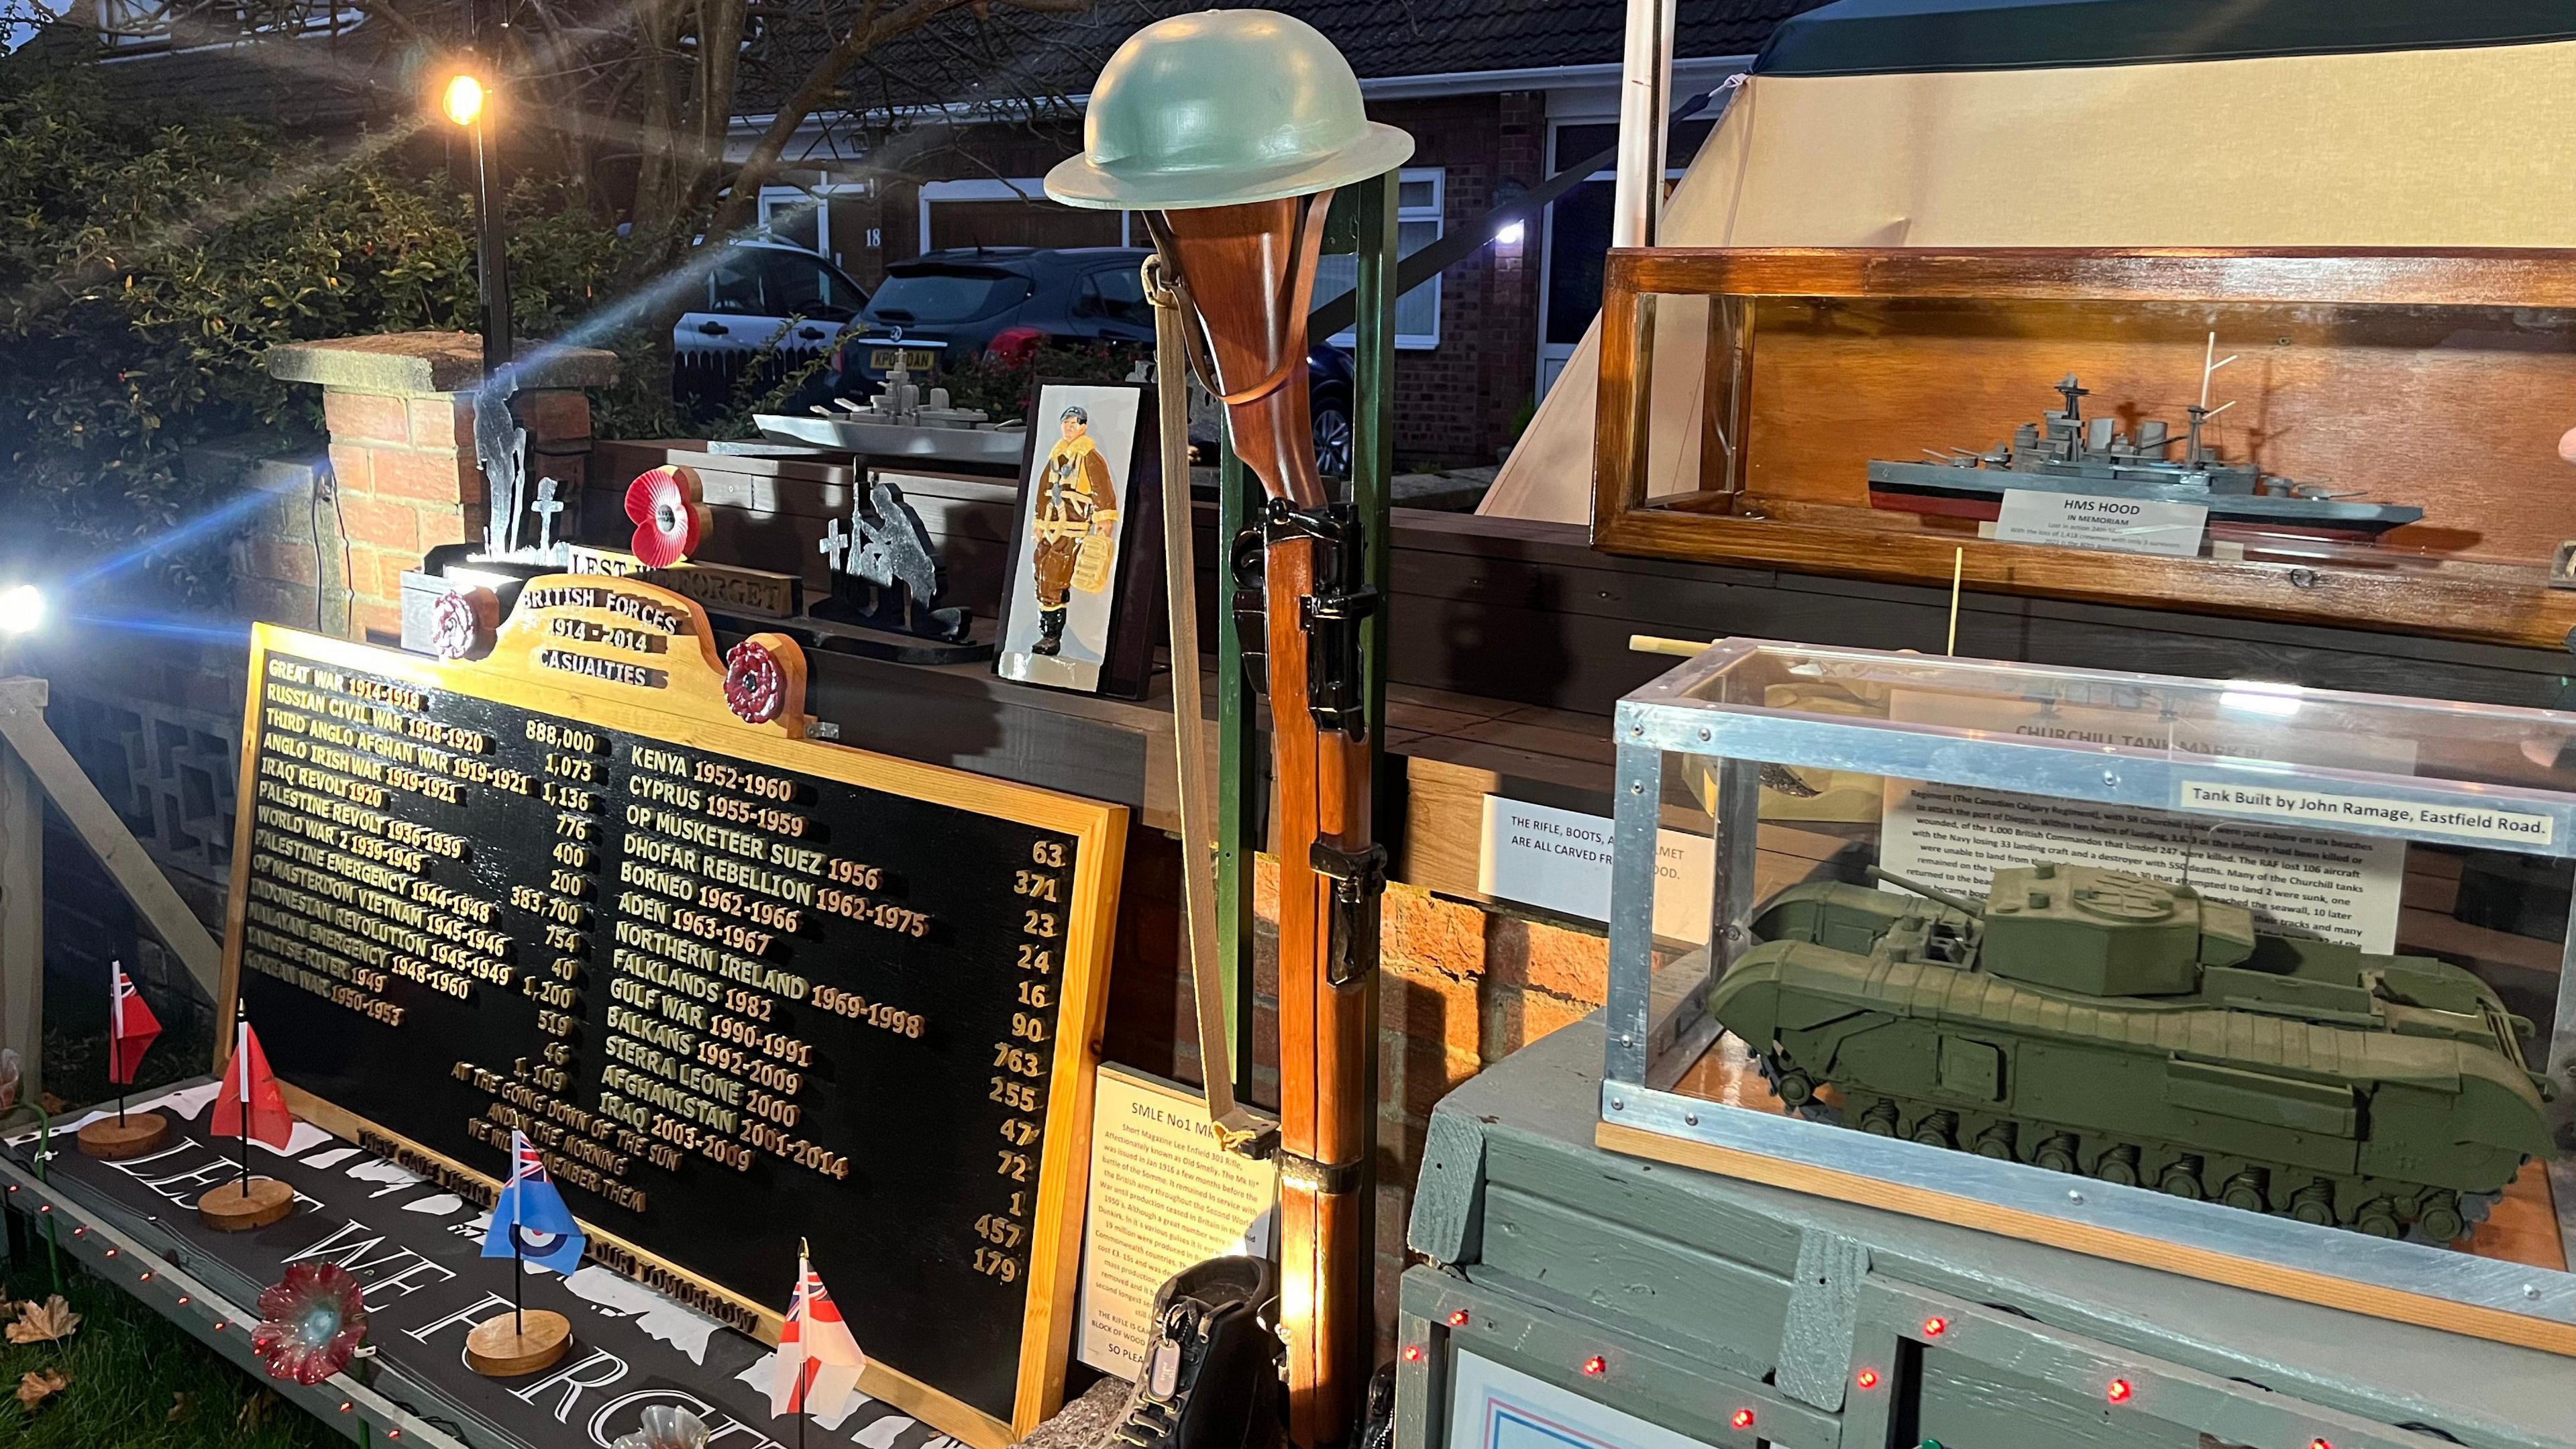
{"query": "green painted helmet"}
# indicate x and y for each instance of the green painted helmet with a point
(1220, 108)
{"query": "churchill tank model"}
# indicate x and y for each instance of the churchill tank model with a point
(2140, 1033)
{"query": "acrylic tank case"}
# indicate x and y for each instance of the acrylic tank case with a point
(2353, 828)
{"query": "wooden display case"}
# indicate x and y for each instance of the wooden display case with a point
(1745, 394)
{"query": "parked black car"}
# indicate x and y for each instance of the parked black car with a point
(756, 295)
(1007, 301)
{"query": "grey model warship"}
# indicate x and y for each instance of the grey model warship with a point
(2067, 452)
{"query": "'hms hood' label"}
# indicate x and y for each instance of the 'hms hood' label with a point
(2465, 822)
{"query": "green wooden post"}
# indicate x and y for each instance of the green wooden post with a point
(1239, 766)
(1373, 413)
(1241, 763)
(1372, 489)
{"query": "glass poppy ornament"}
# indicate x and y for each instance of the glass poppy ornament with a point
(462, 623)
(666, 1427)
(311, 1322)
(670, 516)
(755, 682)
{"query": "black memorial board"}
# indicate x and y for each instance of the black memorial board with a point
(742, 988)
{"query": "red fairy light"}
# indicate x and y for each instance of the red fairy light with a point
(671, 522)
(311, 1322)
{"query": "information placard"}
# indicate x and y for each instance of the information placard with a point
(1164, 1195)
(742, 988)
(2081, 520)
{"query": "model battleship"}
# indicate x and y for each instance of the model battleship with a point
(2067, 452)
(901, 422)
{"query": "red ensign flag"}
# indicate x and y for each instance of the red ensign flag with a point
(250, 1092)
(818, 1360)
(131, 1026)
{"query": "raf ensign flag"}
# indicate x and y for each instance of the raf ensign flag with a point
(529, 1219)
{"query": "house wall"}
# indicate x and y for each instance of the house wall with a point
(1454, 403)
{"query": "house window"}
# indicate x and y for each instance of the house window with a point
(796, 216)
(131, 27)
(1010, 214)
(1418, 195)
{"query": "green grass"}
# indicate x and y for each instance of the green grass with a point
(129, 1368)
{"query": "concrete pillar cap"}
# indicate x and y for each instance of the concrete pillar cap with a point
(432, 362)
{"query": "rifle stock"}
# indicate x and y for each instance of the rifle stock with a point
(1247, 272)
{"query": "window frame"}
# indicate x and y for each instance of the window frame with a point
(1436, 213)
(1021, 188)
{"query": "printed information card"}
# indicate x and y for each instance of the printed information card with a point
(1164, 1195)
(2291, 870)
(2122, 525)
(1559, 860)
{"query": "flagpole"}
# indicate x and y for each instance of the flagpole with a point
(241, 1063)
(116, 1035)
(518, 1272)
(804, 1347)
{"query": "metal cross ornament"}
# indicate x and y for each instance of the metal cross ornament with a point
(546, 507)
(835, 547)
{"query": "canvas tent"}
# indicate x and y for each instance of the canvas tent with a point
(1954, 123)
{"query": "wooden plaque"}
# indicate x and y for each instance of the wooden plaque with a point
(740, 987)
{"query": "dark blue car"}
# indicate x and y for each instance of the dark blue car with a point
(1007, 301)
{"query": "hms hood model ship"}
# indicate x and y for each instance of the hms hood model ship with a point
(900, 422)
(2067, 452)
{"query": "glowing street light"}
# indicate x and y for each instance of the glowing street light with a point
(22, 609)
(466, 101)
(463, 99)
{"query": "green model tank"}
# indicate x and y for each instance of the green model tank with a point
(2140, 1033)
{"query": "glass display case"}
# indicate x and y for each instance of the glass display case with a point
(2252, 982)
(2366, 438)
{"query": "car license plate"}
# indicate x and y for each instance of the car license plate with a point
(914, 359)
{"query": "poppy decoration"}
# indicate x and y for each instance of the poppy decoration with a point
(671, 520)
(462, 623)
(756, 681)
(311, 1322)
(666, 1427)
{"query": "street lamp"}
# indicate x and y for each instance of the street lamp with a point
(465, 103)
(463, 99)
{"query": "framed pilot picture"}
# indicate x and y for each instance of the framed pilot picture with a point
(1079, 600)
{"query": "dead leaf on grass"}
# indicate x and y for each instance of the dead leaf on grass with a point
(183, 1406)
(34, 1389)
(255, 1409)
(44, 1322)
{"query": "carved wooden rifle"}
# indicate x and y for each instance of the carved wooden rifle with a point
(1229, 130)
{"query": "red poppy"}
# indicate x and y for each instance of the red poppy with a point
(311, 1322)
(670, 520)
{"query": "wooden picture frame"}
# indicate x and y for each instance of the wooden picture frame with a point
(671, 687)
(1763, 480)
(1104, 639)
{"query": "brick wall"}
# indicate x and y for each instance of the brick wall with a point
(1460, 988)
(1454, 402)
(400, 410)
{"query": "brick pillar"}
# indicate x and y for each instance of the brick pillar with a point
(400, 408)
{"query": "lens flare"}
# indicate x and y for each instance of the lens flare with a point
(462, 100)
(22, 609)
